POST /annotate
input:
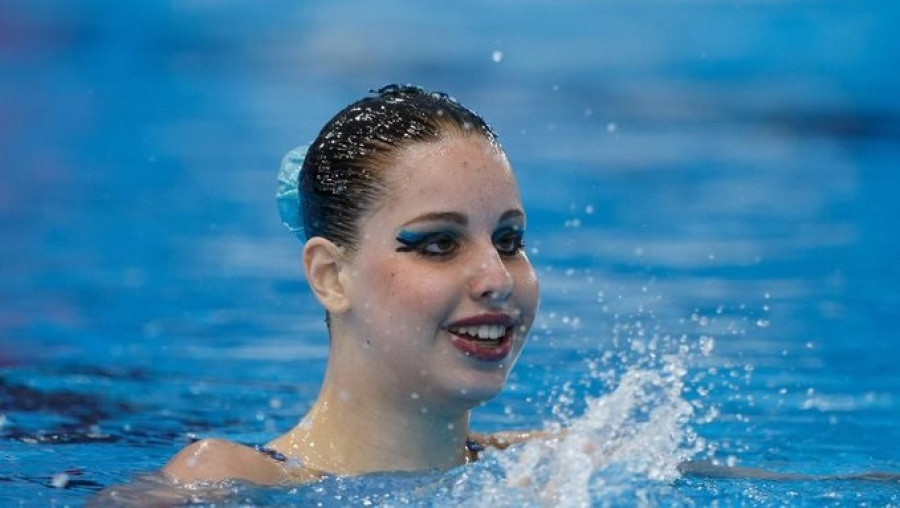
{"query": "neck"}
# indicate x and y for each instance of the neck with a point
(358, 430)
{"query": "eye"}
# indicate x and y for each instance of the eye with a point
(509, 242)
(440, 243)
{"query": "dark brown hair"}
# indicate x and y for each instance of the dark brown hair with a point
(342, 173)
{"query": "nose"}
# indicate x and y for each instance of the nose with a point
(491, 281)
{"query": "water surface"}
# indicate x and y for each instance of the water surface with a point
(711, 197)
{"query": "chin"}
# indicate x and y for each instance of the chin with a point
(476, 387)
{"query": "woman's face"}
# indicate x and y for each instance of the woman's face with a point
(441, 291)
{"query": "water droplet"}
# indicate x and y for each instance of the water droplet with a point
(706, 345)
(60, 480)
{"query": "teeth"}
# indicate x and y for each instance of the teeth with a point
(483, 332)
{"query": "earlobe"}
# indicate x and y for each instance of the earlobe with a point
(323, 262)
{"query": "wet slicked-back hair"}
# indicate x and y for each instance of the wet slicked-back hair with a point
(342, 175)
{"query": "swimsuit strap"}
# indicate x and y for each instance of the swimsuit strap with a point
(271, 453)
(474, 446)
(473, 450)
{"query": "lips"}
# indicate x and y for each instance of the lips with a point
(487, 337)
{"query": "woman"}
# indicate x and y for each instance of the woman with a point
(414, 245)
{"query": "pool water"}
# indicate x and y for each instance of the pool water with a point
(711, 189)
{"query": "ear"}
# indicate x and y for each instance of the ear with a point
(323, 262)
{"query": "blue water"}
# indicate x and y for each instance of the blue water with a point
(712, 211)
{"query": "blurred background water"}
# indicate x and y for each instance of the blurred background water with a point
(712, 176)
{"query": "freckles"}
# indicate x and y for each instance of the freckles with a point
(388, 286)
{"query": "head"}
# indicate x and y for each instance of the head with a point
(343, 173)
(415, 231)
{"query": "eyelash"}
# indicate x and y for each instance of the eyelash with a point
(420, 243)
(517, 236)
(423, 243)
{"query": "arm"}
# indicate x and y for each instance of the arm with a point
(708, 469)
(503, 440)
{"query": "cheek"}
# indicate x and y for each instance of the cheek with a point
(528, 289)
(408, 293)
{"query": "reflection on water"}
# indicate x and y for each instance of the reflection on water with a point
(717, 176)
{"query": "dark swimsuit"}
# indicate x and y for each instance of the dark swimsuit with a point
(271, 453)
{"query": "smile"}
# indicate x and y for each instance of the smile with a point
(487, 337)
(483, 332)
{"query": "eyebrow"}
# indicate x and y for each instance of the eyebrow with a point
(514, 213)
(459, 218)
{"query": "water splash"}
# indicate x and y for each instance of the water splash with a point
(638, 431)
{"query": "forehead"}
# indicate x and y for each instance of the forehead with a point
(450, 168)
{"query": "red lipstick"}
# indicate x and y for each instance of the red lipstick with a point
(486, 337)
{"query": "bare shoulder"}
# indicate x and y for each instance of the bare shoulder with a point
(195, 473)
(212, 460)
